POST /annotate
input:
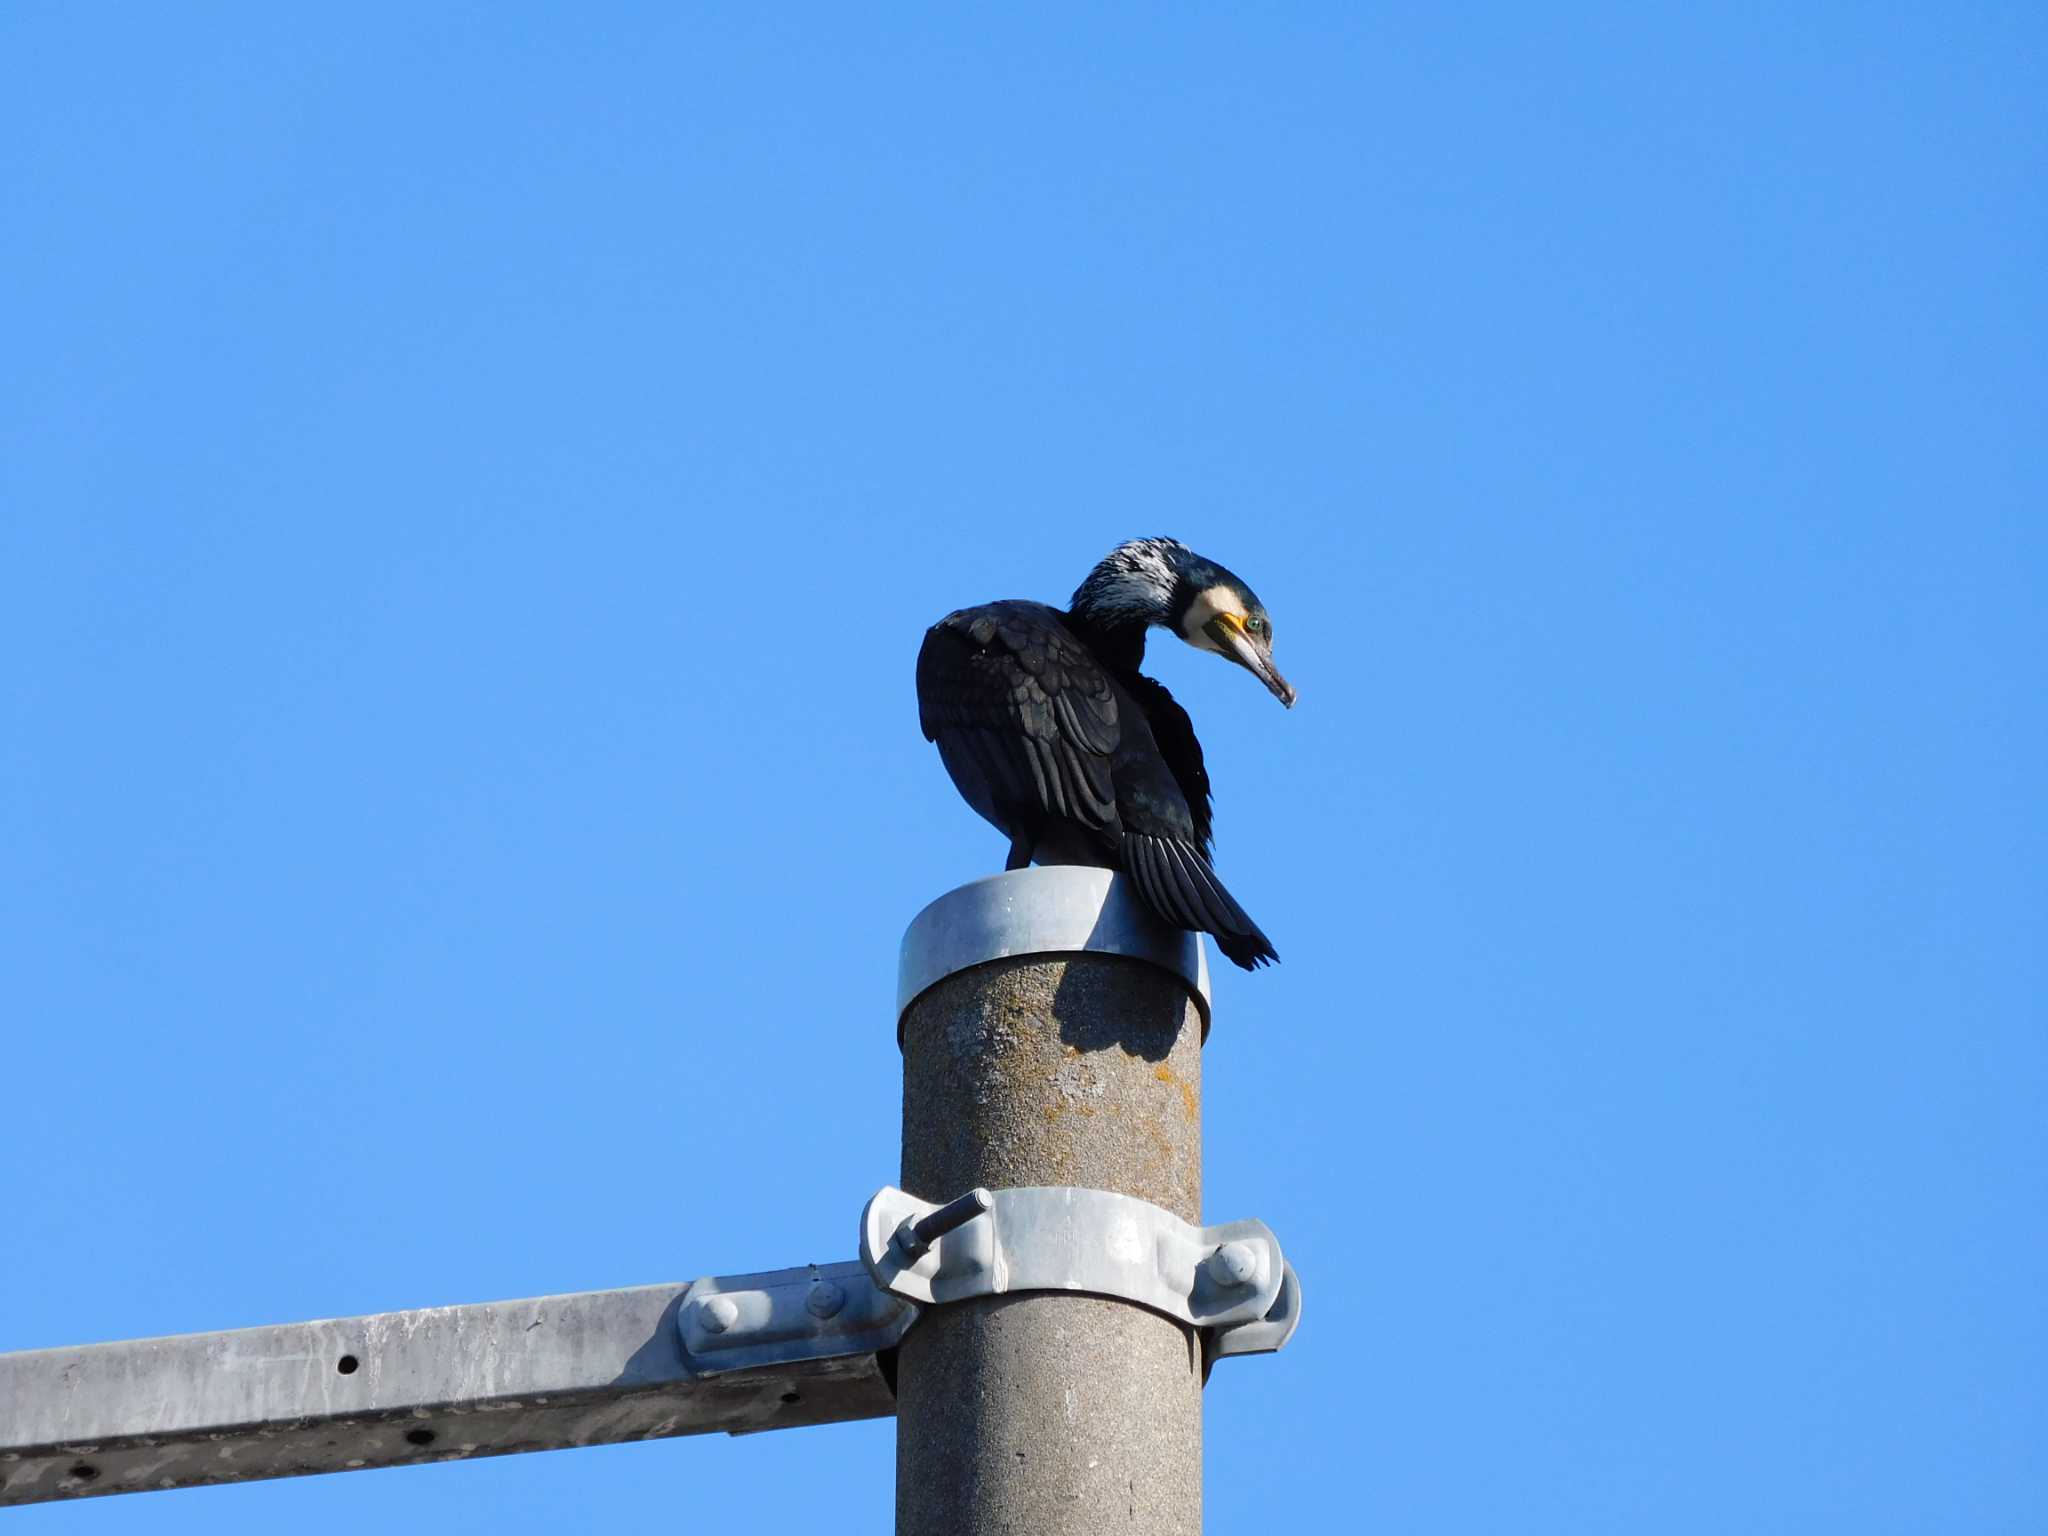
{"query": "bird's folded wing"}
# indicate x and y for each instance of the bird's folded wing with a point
(1175, 878)
(1007, 688)
(1174, 734)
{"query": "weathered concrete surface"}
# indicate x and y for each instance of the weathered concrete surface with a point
(1083, 1070)
(1051, 1414)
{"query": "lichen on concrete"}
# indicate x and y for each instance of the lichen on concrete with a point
(1052, 1414)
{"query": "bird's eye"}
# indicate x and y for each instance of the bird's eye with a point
(1256, 625)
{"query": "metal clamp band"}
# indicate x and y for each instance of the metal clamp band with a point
(1223, 1279)
(1052, 910)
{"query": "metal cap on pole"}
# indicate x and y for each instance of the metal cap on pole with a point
(1052, 1034)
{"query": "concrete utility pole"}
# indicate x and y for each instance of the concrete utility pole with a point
(1038, 1304)
(1061, 1044)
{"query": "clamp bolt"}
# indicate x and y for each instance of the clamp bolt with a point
(717, 1313)
(824, 1299)
(1233, 1265)
(915, 1238)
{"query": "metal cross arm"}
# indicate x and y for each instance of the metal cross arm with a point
(436, 1384)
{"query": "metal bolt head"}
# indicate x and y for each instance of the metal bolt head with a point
(1234, 1265)
(717, 1313)
(825, 1299)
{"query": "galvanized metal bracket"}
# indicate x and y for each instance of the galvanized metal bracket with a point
(1050, 909)
(1230, 1281)
(730, 1323)
(1268, 1333)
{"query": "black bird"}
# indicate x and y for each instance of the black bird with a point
(1051, 732)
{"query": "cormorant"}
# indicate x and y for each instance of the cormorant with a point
(1051, 732)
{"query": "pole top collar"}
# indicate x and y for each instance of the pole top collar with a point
(1044, 910)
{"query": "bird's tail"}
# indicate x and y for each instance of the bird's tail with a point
(1175, 879)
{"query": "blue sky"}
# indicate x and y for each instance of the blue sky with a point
(472, 484)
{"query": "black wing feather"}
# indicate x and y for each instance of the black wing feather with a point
(1145, 857)
(1174, 733)
(1007, 689)
(1175, 878)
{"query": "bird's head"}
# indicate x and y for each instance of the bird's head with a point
(1163, 582)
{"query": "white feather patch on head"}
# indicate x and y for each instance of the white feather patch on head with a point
(1134, 581)
(1209, 603)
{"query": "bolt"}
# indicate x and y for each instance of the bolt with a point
(915, 1238)
(1233, 1265)
(715, 1314)
(825, 1299)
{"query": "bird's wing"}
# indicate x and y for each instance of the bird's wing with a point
(1013, 698)
(1175, 879)
(1163, 792)
(1175, 735)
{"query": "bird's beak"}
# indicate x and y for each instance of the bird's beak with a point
(1227, 630)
